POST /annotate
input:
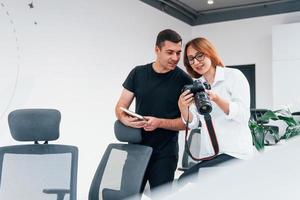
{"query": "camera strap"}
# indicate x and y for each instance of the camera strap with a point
(212, 135)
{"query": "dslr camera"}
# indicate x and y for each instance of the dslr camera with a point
(201, 98)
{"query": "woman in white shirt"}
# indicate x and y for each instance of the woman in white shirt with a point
(230, 98)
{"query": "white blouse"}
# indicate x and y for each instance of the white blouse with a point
(232, 131)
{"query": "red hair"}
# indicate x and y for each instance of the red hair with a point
(204, 46)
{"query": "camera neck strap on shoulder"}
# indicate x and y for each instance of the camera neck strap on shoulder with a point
(212, 135)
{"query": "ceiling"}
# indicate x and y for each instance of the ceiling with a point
(197, 12)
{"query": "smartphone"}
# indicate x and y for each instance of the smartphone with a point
(133, 114)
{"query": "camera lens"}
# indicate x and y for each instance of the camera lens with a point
(203, 104)
(202, 101)
(205, 109)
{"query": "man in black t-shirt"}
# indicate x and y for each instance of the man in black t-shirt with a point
(156, 88)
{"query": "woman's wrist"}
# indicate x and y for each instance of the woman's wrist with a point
(223, 104)
(184, 113)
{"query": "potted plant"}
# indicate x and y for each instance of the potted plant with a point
(285, 115)
(262, 134)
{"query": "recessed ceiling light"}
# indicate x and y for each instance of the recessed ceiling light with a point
(210, 2)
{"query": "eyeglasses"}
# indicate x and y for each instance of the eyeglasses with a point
(199, 57)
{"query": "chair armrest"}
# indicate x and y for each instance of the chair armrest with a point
(111, 194)
(182, 169)
(59, 192)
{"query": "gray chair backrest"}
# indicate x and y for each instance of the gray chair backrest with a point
(127, 134)
(34, 124)
(122, 167)
(37, 171)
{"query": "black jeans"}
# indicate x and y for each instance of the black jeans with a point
(160, 171)
(207, 163)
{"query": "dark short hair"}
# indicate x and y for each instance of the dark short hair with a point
(167, 35)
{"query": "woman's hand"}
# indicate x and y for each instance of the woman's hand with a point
(152, 123)
(223, 104)
(184, 101)
(212, 96)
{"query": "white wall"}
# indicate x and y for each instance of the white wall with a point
(77, 56)
(248, 41)
(75, 59)
(286, 66)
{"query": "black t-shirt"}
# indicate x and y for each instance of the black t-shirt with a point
(157, 95)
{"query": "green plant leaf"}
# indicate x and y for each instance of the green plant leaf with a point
(271, 134)
(258, 135)
(289, 120)
(291, 131)
(259, 130)
(268, 115)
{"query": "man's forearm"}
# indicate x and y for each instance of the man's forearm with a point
(119, 113)
(172, 124)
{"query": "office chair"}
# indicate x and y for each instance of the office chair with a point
(296, 115)
(257, 113)
(37, 171)
(122, 167)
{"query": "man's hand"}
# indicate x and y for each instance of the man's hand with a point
(133, 122)
(152, 123)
